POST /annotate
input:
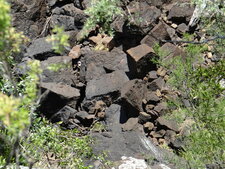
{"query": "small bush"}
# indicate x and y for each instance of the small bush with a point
(52, 147)
(58, 39)
(101, 14)
(24, 140)
(201, 86)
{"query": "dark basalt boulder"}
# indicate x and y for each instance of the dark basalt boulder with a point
(106, 84)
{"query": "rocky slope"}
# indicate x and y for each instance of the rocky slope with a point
(121, 89)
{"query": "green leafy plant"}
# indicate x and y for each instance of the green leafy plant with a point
(16, 114)
(101, 14)
(52, 147)
(59, 39)
(4, 17)
(201, 86)
(208, 112)
(24, 138)
(10, 41)
(57, 66)
(98, 127)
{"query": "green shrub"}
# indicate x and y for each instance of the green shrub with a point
(58, 39)
(101, 14)
(65, 148)
(201, 86)
(17, 106)
(4, 15)
(24, 139)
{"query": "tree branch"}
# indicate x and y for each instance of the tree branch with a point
(192, 42)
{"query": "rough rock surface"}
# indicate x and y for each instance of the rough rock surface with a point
(127, 143)
(63, 75)
(94, 71)
(148, 14)
(159, 32)
(181, 13)
(106, 84)
(121, 88)
(141, 59)
(171, 50)
(132, 94)
(56, 96)
(167, 123)
(64, 114)
(111, 61)
(29, 16)
(40, 49)
(66, 21)
(61, 89)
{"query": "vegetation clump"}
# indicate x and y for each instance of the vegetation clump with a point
(28, 140)
(101, 14)
(201, 86)
(24, 138)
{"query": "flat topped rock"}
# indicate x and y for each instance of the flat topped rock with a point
(40, 49)
(138, 52)
(140, 61)
(62, 89)
(106, 84)
(181, 13)
(114, 60)
(63, 75)
(168, 123)
(56, 60)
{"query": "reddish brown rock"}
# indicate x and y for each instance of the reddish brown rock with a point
(170, 50)
(159, 32)
(141, 59)
(138, 52)
(181, 13)
(75, 52)
(132, 94)
(156, 84)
